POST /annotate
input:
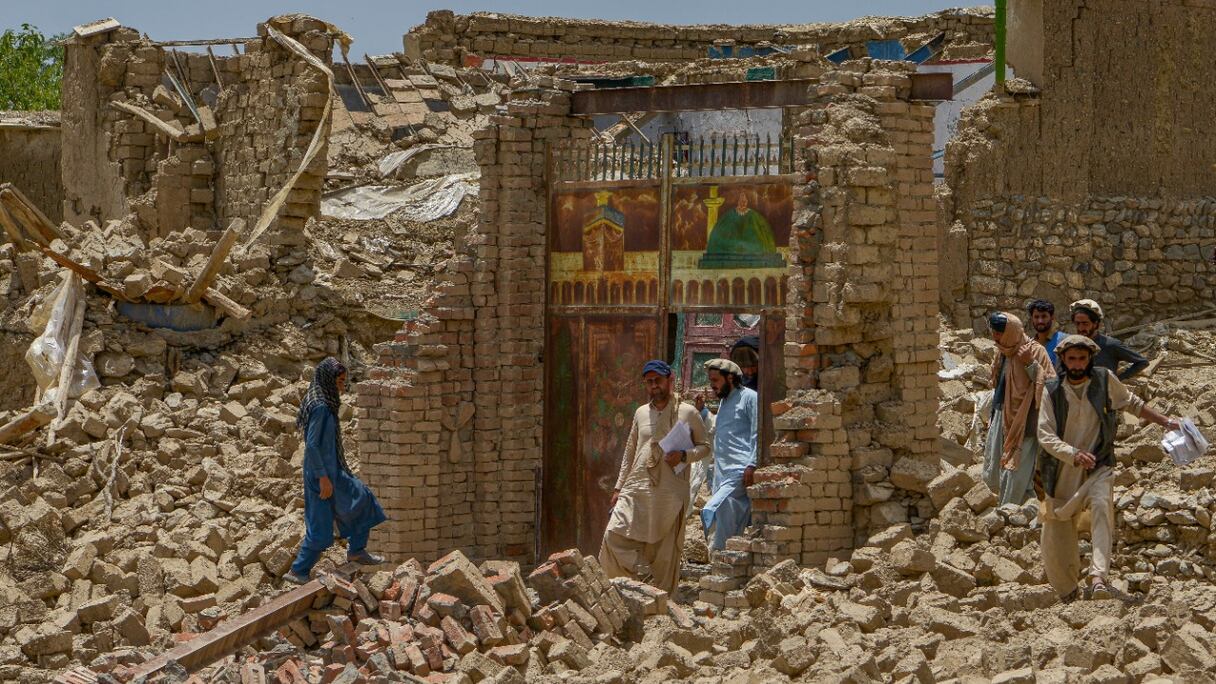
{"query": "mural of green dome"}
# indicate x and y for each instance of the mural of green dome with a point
(740, 237)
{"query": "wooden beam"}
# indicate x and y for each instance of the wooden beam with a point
(15, 234)
(215, 69)
(68, 369)
(210, 41)
(214, 262)
(239, 631)
(28, 213)
(163, 127)
(84, 272)
(221, 301)
(26, 422)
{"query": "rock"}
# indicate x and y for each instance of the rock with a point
(35, 644)
(980, 498)
(571, 654)
(455, 574)
(132, 628)
(794, 656)
(953, 581)
(910, 559)
(868, 618)
(913, 474)
(949, 484)
(1108, 674)
(957, 520)
(948, 624)
(887, 539)
(98, 610)
(114, 364)
(1185, 652)
(1022, 676)
(232, 412)
(80, 562)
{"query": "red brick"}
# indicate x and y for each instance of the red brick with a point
(460, 640)
(516, 654)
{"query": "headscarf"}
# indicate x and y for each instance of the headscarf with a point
(323, 391)
(1020, 350)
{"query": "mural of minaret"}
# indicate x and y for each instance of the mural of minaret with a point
(604, 237)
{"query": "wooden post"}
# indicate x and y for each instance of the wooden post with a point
(214, 262)
(68, 369)
(26, 422)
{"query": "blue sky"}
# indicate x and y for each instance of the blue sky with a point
(377, 25)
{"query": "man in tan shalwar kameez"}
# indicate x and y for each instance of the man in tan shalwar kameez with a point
(650, 502)
(1077, 425)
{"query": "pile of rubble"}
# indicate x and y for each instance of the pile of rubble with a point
(454, 621)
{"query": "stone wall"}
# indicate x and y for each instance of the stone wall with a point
(450, 421)
(857, 440)
(257, 112)
(29, 159)
(450, 38)
(1091, 187)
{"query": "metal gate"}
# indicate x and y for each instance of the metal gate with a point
(639, 236)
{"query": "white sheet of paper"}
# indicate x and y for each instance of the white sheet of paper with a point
(679, 439)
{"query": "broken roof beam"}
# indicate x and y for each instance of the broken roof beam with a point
(23, 210)
(177, 134)
(200, 43)
(239, 631)
(26, 422)
(215, 261)
(696, 97)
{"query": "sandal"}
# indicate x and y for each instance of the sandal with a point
(1071, 596)
(1099, 590)
(365, 558)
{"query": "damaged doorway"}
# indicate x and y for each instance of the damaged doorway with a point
(643, 238)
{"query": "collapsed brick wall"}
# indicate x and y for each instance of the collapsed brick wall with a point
(1090, 188)
(29, 159)
(255, 124)
(449, 38)
(860, 354)
(450, 421)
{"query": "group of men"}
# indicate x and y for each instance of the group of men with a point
(651, 499)
(1054, 417)
(1055, 414)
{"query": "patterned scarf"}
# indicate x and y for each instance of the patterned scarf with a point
(324, 391)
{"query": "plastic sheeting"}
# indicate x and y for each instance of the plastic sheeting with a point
(1186, 444)
(47, 352)
(421, 202)
(392, 161)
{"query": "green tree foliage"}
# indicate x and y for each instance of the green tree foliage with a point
(31, 68)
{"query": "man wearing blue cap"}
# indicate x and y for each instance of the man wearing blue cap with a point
(645, 535)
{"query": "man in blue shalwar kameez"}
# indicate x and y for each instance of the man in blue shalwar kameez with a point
(332, 494)
(729, 510)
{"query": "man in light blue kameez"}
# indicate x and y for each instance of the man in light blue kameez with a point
(729, 510)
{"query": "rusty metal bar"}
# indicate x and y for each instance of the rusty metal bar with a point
(740, 95)
(930, 86)
(232, 634)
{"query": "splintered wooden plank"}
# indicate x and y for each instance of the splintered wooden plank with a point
(216, 261)
(172, 131)
(25, 211)
(26, 422)
(240, 631)
(222, 302)
(84, 272)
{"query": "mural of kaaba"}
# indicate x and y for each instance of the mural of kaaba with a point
(604, 247)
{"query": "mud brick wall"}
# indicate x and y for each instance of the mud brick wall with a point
(258, 117)
(469, 369)
(861, 327)
(29, 159)
(1091, 187)
(449, 38)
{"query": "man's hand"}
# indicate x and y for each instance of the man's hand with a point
(327, 488)
(673, 458)
(699, 402)
(616, 494)
(1172, 424)
(1085, 460)
(749, 476)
